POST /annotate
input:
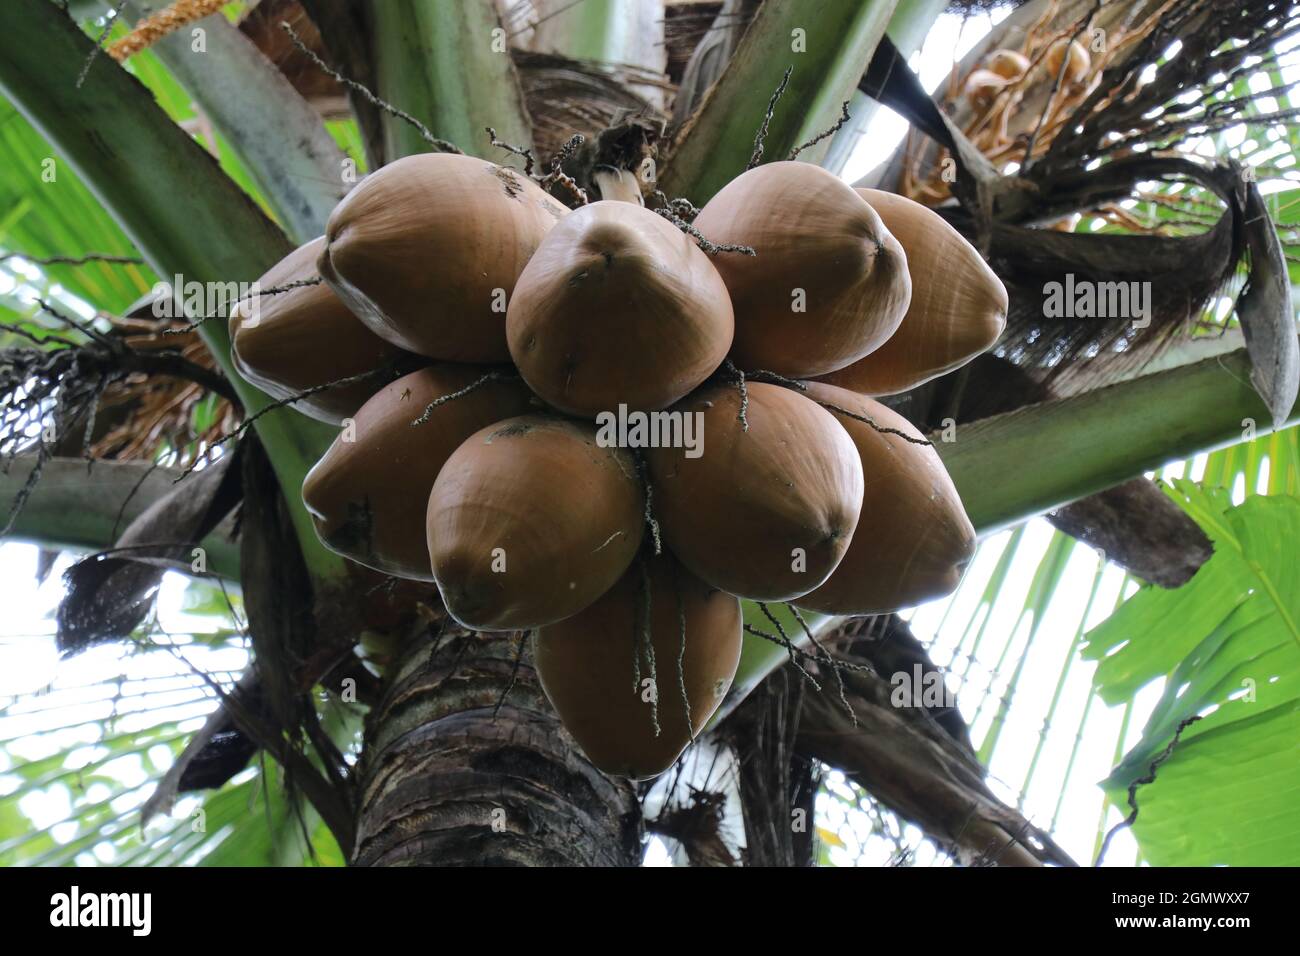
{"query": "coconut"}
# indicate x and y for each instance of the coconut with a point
(367, 494)
(1076, 71)
(291, 341)
(530, 521)
(958, 308)
(426, 251)
(913, 541)
(617, 306)
(828, 285)
(983, 87)
(1007, 64)
(765, 513)
(588, 667)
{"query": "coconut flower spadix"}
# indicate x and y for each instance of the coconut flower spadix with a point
(426, 251)
(617, 306)
(291, 341)
(588, 667)
(530, 521)
(913, 540)
(958, 308)
(828, 285)
(367, 494)
(766, 513)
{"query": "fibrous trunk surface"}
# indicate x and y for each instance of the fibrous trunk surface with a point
(445, 782)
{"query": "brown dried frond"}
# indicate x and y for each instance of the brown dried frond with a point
(147, 413)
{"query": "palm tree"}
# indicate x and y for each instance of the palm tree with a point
(210, 139)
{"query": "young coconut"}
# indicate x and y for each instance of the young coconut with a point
(530, 521)
(958, 308)
(594, 667)
(291, 341)
(913, 540)
(1078, 67)
(617, 306)
(426, 251)
(828, 285)
(367, 494)
(983, 87)
(766, 513)
(1008, 64)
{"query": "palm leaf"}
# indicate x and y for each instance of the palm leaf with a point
(1227, 646)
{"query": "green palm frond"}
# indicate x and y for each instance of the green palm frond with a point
(1225, 647)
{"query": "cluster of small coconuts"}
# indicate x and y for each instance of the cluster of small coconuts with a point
(1066, 60)
(524, 322)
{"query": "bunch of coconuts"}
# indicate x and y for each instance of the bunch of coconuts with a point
(484, 470)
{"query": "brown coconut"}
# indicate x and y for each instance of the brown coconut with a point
(588, 663)
(426, 251)
(828, 285)
(617, 306)
(530, 521)
(983, 87)
(958, 308)
(1008, 64)
(291, 341)
(913, 541)
(1078, 67)
(766, 513)
(367, 494)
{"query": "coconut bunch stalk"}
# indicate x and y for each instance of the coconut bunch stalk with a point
(300, 339)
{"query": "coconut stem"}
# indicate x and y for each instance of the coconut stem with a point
(526, 153)
(831, 661)
(645, 645)
(743, 415)
(772, 378)
(274, 290)
(797, 654)
(681, 653)
(762, 375)
(867, 420)
(644, 473)
(461, 393)
(784, 641)
(844, 118)
(757, 156)
(99, 41)
(441, 145)
(292, 399)
(676, 210)
(557, 176)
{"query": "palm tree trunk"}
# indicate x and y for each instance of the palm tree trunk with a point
(445, 781)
